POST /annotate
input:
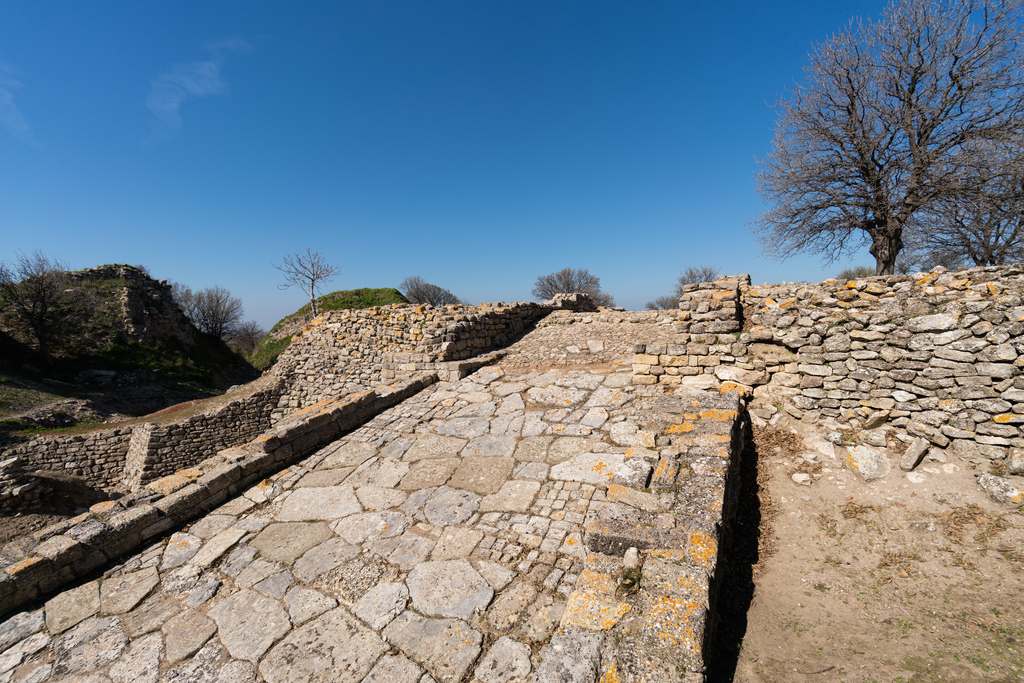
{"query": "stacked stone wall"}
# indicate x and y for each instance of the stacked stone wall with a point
(97, 457)
(936, 355)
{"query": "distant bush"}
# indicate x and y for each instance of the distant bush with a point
(571, 281)
(663, 303)
(419, 291)
(855, 273)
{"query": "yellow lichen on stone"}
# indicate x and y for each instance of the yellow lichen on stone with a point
(726, 387)
(610, 675)
(718, 415)
(668, 622)
(1006, 418)
(592, 611)
(703, 548)
(595, 582)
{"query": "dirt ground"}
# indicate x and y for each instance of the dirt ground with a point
(896, 580)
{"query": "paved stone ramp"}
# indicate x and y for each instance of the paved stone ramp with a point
(518, 525)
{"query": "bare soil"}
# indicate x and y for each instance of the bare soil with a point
(63, 496)
(890, 581)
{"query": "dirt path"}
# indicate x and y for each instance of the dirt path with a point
(888, 581)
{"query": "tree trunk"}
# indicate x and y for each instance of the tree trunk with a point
(886, 243)
(312, 300)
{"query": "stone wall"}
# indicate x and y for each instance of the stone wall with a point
(342, 349)
(18, 487)
(935, 355)
(97, 457)
(57, 555)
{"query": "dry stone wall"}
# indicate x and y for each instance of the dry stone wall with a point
(935, 355)
(97, 457)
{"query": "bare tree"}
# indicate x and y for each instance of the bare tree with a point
(36, 294)
(984, 223)
(693, 275)
(212, 310)
(569, 281)
(875, 131)
(419, 291)
(307, 271)
(247, 337)
(663, 303)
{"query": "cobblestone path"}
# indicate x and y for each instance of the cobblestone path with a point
(442, 541)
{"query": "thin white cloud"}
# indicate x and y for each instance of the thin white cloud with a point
(10, 115)
(182, 82)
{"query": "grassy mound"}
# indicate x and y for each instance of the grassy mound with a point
(280, 336)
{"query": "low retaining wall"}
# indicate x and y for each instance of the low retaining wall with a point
(936, 355)
(59, 554)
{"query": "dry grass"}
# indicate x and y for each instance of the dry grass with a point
(955, 523)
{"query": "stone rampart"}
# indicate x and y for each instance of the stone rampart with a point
(935, 355)
(60, 553)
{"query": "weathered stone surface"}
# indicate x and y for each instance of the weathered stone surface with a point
(1001, 490)
(572, 656)
(508, 606)
(464, 427)
(211, 525)
(275, 586)
(448, 506)
(870, 463)
(410, 550)
(204, 667)
(256, 572)
(379, 472)
(121, 594)
(217, 546)
(513, 496)
(434, 446)
(248, 623)
(933, 323)
(202, 594)
(482, 475)
(66, 609)
(333, 648)
(394, 669)
(490, 445)
(349, 454)
(380, 497)
(370, 526)
(507, 661)
(289, 540)
(495, 574)
(381, 604)
(185, 634)
(609, 397)
(456, 543)
(445, 647)
(589, 468)
(179, 549)
(325, 477)
(19, 627)
(448, 589)
(141, 664)
(88, 646)
(533, 448)
(305, 603)
(429, 472)
(559, 397)
(541, 618)
(750, 378)
(323, 558)
(149, 617)
(319, 503)
(914, 454)
(634, 472)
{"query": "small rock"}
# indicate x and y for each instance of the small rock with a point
(508, 661)
(448, 589)
(1001, 490)
(381, 604)
(914, 454)
(802, 478)
(870, 463)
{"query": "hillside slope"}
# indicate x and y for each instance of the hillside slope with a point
(280, 336)
(129, 351)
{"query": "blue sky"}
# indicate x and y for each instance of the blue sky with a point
(475, 144)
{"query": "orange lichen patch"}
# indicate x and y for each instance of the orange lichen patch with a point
(645, 501)
(104, 507)
(703, 548)
(788, 303)
(191, 473)
(726, 387)
(665, 470)
(718, 415)
(592, 611)
(26, 566)
(595, 582)
(1006, 418)
(876, 288)
(927, 278)
(668, 623)
(670, 554)
(165, 486)
(993, 288)
(868, 297)
(646, 439)
(722, 295)
(680, 428)
(634, 452)
(610, 675)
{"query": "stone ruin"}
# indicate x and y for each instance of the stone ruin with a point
(498, 493)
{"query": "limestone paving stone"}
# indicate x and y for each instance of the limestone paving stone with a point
(88, 646)
(121, 594)
(322, 558)
(559, 397)
(211, 525)
(536, 471)
(495, 574)
(66, 609)
(380, 497)
(434, 446)
(305, 603)
(379, 472)
(448, 506)
(276, 585)
(589, 468)
(256, 572)
(490, 445)
(448, 589)
(288, 540)
(410, 549)
(572, 656)
(333, 648)
(507, 607)
(203, 593)
(456, 543)
(150, 616)
(369, 526)
(323, 477)
(382, 603)
(19, 627)
(567, 447)
(428, 473)
(348, 454)
(394, 669)
(445, 647)
(203, 667)
(508, 661)
(482, 475)
(179, 549)
(464, 427)
(513, 496)
(319, 503)
(185, 634)
(248, 623)
(217, 546)
(141, 663)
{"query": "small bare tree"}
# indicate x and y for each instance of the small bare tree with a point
(692, 275)
(569, 281)
(247, 337)
(419, 291)
(663, 303)
(307, 271)
(37, 295)
(216, 312)
(874, 133)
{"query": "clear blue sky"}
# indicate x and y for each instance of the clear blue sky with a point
(475, 144)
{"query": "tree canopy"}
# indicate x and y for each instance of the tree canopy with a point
(570, 281)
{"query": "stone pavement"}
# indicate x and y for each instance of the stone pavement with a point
(517, 525)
